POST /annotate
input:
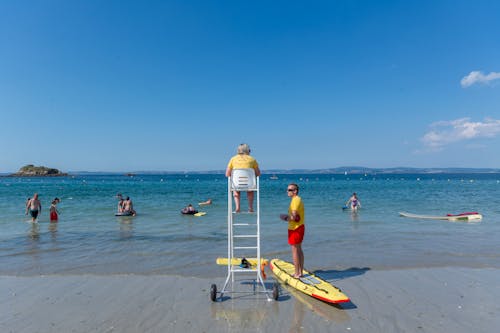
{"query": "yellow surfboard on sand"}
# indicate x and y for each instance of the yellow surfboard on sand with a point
(309, 283)
(237, 261)
(252, 262)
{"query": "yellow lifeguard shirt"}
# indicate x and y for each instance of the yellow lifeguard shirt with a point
(242, 161)
(297, 205)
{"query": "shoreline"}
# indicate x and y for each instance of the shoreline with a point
(274, 172)
(413, 300)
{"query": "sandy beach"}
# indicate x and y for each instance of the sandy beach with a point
(412, 300)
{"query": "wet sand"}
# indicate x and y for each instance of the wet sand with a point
(412, 300)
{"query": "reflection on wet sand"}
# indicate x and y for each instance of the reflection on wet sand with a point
(251, 312)
(243, 315)
(327, 311)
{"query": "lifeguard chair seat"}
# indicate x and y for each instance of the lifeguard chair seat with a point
(243, 180)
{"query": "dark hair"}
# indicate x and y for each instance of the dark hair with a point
(296, 186)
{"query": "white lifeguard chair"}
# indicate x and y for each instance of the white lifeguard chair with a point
(243, 237)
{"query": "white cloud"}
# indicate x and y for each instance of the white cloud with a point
(478, 77)
(443, 133)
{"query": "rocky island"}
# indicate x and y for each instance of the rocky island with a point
(37, 171)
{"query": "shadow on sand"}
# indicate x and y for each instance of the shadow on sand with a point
(339, 275)
(330, 275)
(251, 286)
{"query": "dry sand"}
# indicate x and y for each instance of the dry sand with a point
(414, 300)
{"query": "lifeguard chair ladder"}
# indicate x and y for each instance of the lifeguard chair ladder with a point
(240, 240)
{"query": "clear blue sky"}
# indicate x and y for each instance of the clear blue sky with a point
(177, 85)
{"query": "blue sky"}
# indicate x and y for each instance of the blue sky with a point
(177, 85)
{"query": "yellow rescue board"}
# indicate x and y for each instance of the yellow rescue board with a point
(237, 261)
(309, 283)
(200, 214)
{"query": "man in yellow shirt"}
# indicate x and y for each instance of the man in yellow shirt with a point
(243, 160)
(296, 227)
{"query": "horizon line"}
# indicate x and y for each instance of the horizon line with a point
(333, 170)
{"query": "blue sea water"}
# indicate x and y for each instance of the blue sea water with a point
(89, 239)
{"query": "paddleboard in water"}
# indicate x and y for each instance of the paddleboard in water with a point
(200, 214)
(124, 214)
(309, 283)
(457, 217)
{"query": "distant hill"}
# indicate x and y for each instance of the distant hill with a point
(351, 170)
(395, 170)
(37, 171)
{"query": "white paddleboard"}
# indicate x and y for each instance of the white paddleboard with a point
(459, 217)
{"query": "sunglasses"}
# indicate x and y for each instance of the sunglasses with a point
(291, 189)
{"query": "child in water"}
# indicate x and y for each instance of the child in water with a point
(53, 210)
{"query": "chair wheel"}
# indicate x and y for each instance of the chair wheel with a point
(276, 291)
(213, 292)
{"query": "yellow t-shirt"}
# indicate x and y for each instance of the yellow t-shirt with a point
(297, 205)
(242, 161)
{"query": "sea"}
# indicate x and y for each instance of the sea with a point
(90, 239)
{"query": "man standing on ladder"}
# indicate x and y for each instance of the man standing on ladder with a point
(243, 160)
(296, 228)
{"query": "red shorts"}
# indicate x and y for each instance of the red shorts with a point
(53, 216)
(296, 236)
